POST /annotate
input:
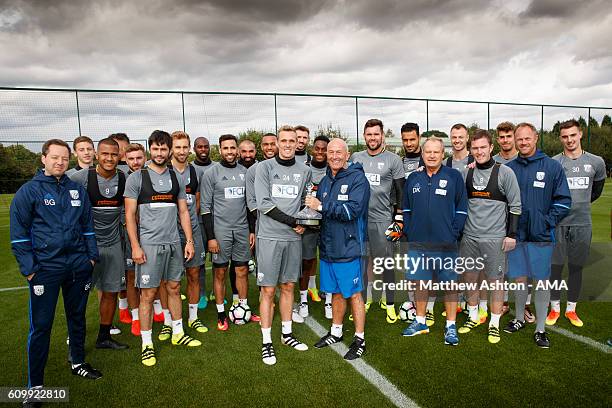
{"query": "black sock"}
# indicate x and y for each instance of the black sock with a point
(221, 315)
(104, 332)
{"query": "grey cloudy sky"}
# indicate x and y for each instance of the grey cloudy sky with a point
(549, 51)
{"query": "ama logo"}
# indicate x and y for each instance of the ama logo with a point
(48, 199)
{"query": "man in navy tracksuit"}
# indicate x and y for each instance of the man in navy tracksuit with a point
(52, 238)
(342, 198)
(546, 200)
(435, 209)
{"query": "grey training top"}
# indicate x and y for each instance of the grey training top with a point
(107, 220)
(250, 187)
(410, 164)
(283, 187)
(200, 172)
(380, 170)
(487, 218)
(158, 222)
(317, 174)
(498, 158)
(184, 179)
(580, 174)
(223, 195)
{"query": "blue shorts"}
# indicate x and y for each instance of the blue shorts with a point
(530, 259)
(341, 277)
(432, 265)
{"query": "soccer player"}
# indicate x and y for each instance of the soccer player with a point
(123, 140)
(230, 228)
(494, 208)
(135, 158)
(301, 149)
(202, 162)
(310, 238)
(411, 143)
(52, 239)
(345, 194)
(461, 156)
(156, 193)
(435, 209)
(105, 185)
(385, 173)
(269, 149)
(586, 176)
(546, 200)
(280, 188)
(187, 175)
(505, 140)
(84, 151)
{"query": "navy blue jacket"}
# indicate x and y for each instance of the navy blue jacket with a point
(344, 228)
(545, 196)
(435, 208)
(52, 227)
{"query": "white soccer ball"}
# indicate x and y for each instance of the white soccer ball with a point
(240, 314)
(251, 266)
(407, 311)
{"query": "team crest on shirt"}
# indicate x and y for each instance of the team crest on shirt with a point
(540, 175)
(297, 177)
(588, 167)
(443, 183)
(343, 188)
(74, 194)
(241, 176)
(380, 166)
(39, 290)
(145, 279)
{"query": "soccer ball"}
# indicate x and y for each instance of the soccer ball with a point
(407, 311)
(252, 266)
(240, 314)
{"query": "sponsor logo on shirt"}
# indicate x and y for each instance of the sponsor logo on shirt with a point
(48, 199)
(284, 191)
(234, 192)
(416, 188)
(75, 203)
(578, 183)
(373, 179)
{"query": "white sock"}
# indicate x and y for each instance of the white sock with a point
(266, 335)
(336, 330)
(235, 298)
(483, 305)
(528, 299)
(449, 323)
(430, 305)
(157, 307)
(473, 311)
(369, 292)
(328, 298)
(494, 320)
(312, 282)
(571, 307)
(193, 312)
(220, 308)
(411, 296)
(243, 302)
(555, 305)
(304, 296)
(286, 327)
(123, 304)
(420, 319)
(135, 314)
(146, 337)
(177, 326)
(167, 317)
(360, 335)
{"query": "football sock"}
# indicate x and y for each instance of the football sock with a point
(193, 311)
(360, 335)
(520, 300)
(312, 282)
(104, 332)
(157, 307)
(555, 305)
(177, 326)
(574, 282)
(483, 305)
(304, 296)
(167, 318)
(494, 320)
(146, 337)
(571, 307)
(135, 314)
(336, 330)
(123, 304)
(243, 302)
(420, 319)
(266, 335)
(286, 328)
(449, 323)
(473, 310)
(542, 299)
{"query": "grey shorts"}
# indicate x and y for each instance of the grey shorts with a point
(127, 249)
(109, 272)
(573, 244)
(233, 245)
(377, 244)
(310, 241)
(278, 261)
(199, 253)
(164, 262)
(483, 255)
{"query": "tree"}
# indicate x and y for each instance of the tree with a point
(330, 131)
(593, 122)
(606, 121)
(389, 133)
(17, 165)
(437, 133)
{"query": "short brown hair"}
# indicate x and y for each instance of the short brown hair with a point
(459, 126)
(505, 127)
(108, 141)
(286, 128)
(132, 147)
(303, 129)
(569, 124)
(179, 135)
(120, 137)
(482, 134)
(374, 122)
(82, 139)
(527, 125)
(56, 142)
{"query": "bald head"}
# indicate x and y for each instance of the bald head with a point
(338, 143)
(337, 155)
(246, 150)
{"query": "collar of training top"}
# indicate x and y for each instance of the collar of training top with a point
(202, 162)
(486, 165)
(283, 162)
(228, 165)
(413, 155)
(318, 165)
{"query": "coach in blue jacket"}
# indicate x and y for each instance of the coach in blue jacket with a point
(545, 199)
(435, 209)
(52, 238)
(342, 198)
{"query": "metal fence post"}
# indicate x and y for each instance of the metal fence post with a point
(275, 116)
(76, 95)
(183, 108)
(542, 127)
(357, 120)
(488, 116)
(589, 130)
(427, 114)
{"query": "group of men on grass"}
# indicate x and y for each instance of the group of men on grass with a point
(134, 227)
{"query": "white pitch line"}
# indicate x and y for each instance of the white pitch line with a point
(586, 340)
(15, 288)
(368, 372)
